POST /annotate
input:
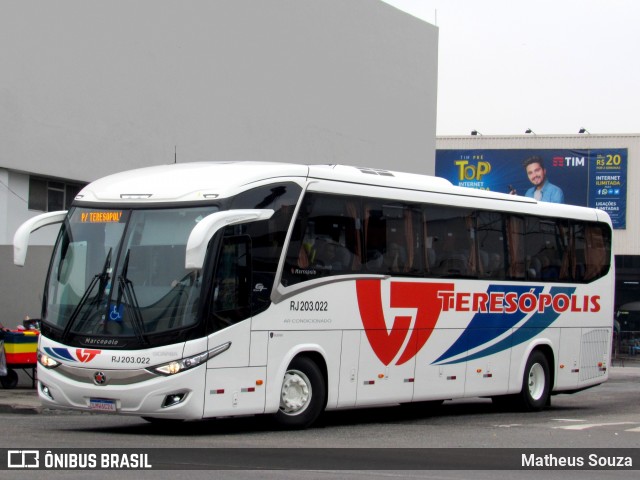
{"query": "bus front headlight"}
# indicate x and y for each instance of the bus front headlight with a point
(46, 361)
(177, 366)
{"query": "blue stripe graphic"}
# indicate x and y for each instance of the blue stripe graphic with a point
(481, 331)
(59, 353)
(485, 327)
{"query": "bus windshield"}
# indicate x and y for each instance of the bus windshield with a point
(121, 273)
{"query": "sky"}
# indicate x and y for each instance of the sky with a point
(552, 66)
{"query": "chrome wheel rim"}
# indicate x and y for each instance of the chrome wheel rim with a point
(296, 393)
(536, 381)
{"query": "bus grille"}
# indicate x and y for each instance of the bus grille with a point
(594, 354)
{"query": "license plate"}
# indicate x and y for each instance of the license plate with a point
(102, 404)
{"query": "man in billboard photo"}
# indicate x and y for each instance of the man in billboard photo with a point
(542, 189)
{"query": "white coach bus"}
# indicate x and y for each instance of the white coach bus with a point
(205, 290)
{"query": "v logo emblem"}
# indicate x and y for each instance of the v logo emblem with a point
(421, 296)
(86, 355)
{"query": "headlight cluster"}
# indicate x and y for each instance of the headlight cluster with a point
(177, 366)
(47, 361)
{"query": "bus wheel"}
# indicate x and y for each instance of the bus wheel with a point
(536, 382)
(302, 394)
(10, 380)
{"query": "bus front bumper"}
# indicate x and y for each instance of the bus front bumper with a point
(126, 392)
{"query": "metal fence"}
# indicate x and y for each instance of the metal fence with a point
(626, 347)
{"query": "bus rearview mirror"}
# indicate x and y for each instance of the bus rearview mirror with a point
(204, 231)
(21, 237)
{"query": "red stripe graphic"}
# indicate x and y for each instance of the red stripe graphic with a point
(421, 296)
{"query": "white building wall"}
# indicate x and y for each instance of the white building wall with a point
(92, 88)
(4, 204)
(625, 242)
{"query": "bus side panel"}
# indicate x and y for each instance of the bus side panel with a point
(284, 346)
(348, 387)
(488, 375)
(380, 384)
(443, 381)
(259, 349)
(238, 353)
(234, 391)
(568, 366)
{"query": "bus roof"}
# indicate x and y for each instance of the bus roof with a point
(181, 182)
(408, 181)
(192, 181)
(199, 181)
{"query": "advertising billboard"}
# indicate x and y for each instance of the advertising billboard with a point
(595, 178)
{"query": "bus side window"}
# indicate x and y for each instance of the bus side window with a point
(491, 244)
(452, 239)
(232, 281)
(597, 251)
(331, 255)
(326, 239)
(392, 238)
(515, 247)
(548, 249)
(267, 237)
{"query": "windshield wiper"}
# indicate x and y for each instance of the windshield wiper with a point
(103, 277)
(125, 287)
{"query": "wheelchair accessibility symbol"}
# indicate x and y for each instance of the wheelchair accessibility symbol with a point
(116, 312)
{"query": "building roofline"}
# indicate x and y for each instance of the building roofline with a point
(534, 136)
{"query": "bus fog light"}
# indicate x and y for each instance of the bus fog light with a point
(46, 391)
(173, 399)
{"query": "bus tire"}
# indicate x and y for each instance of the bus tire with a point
(10, 380)
(302, 395)
(536, 383)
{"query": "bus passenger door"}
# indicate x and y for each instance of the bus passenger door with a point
(232, 387)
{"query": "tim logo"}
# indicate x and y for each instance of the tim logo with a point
(568, 161)
(23, 459)
(423, 297)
